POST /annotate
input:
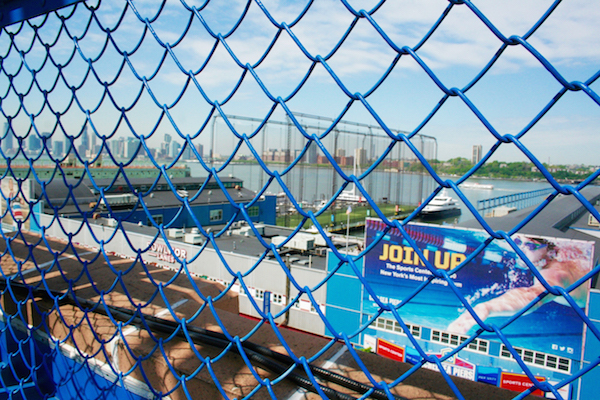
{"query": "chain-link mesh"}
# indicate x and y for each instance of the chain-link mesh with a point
(97, 87)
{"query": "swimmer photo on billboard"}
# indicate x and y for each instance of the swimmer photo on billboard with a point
(497, 282)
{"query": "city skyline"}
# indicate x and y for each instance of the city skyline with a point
(509, 96)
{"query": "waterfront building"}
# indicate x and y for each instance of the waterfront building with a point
(121, 201)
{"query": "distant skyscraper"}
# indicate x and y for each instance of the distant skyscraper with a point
(312, 153)
(175, 148)
(85, 137)
(188, 154)
(360, 155)
(200, 148)
(7, 138)
(84, 144)
(477, 153)
(131, 147)
(48, 136)
(121, 147)
(114, 147)
(68, 146)
(58, 148)
(34, 144)
(93, 148)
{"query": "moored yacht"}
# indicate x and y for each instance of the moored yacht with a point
(441, 206)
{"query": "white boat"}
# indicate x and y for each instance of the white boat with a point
(475, 185)
(350, 196)
(441, 206)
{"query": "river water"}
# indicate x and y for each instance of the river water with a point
(312, 184)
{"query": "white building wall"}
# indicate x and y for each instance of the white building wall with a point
(268, 275)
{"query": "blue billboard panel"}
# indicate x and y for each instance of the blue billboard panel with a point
(496, 282)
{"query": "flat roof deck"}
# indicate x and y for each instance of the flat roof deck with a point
(138, 285)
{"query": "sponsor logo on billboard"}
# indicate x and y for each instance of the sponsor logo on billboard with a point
(390, 350)
(519, 382)
(454, 366)
(489, 375)
(162, 252)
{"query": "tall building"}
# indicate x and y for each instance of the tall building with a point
(312, 153)
(117, 147)
(200, 148)
(34, 143)
(84, 144)
(47, 136)
(114, 147)
(7, 138)
(360, 155)
(131, 148)
(58, 148)
(93, 149)
(174, 149)
(68, 145)
(477, 153)
(188, 154)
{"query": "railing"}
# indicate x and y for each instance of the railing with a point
(519, 200)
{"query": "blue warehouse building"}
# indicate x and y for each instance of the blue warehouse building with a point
(211, 206)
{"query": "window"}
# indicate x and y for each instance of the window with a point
(216, 215)
(158, 218)
(277, 298)
(297, 306)
(253, 211)
(393, 326)
(538, 358)
(452, 339)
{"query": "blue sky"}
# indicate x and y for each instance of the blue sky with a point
(509, 95)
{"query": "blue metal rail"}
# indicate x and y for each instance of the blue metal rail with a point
(519, 200)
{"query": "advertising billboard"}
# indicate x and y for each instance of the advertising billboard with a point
(497, 283)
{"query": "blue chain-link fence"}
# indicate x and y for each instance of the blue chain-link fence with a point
(152, 152)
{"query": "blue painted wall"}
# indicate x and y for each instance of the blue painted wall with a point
(591, 352)
(55, 375)
(344, 293)
(344, 311)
